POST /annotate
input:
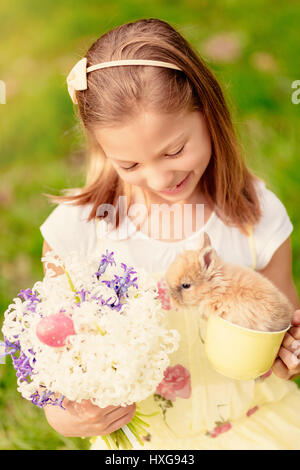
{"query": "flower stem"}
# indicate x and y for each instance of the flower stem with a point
(99, 330)
(106, 442)
(134, 431)
(77, 298)
(118, 439)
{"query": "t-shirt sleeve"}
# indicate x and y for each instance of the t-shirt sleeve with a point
(66, 229)
(273, 228)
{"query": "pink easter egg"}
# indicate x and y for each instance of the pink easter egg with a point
(54, 329)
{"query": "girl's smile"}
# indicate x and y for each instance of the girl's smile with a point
(179, 187)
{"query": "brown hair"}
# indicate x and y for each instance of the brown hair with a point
(117, 94)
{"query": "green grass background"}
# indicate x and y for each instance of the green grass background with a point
(41, 145)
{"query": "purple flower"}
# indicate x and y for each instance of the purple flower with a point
(83, 293)
(19, 359)
(120, 285)
(28, 294)
(14, 347)
(24, 372)
(46, 399)
(100, 298)
(105, 261)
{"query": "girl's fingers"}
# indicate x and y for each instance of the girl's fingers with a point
(110, 413)
(87, 409)
(119, 413)
(295, 332)
(290, 359)
(117, 419)
(121, 409)
(287, 365)
(280, 369)
(290, 342)
(296, 318)
(84, 408)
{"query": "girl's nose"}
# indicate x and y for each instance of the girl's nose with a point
(160, 184)
(158, 181)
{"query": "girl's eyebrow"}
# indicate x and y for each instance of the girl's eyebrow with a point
(172, 142)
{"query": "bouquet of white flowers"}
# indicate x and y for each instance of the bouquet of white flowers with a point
(94, 333)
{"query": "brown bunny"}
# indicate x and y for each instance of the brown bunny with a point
(236, 293)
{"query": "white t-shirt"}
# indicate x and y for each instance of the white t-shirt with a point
(66, 229)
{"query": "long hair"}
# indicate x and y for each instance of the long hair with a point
(117, 94)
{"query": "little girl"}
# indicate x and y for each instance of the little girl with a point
(159, 135)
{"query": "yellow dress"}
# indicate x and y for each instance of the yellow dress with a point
(210, 411)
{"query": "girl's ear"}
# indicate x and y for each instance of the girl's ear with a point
(203, 241)
(206, 258)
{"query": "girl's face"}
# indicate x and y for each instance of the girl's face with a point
(158, 151)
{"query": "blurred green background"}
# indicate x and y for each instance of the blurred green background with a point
(251, 46)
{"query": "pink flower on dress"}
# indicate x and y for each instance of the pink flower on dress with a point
(220, 429)
(251, 411)
(176, 383)
(163, 294)
(266, 374)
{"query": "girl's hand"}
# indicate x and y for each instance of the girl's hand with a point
(287, 365)
(85, 419)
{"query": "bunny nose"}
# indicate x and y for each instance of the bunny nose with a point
(176, 294)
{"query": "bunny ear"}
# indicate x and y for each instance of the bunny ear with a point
(206, 258)
(203, 241)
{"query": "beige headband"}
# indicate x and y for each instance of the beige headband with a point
(77, 78)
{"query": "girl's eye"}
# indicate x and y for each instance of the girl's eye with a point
(171, 156)
(130, 168)
(177, 153)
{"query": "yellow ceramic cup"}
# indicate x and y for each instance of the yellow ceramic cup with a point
(240, 353)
